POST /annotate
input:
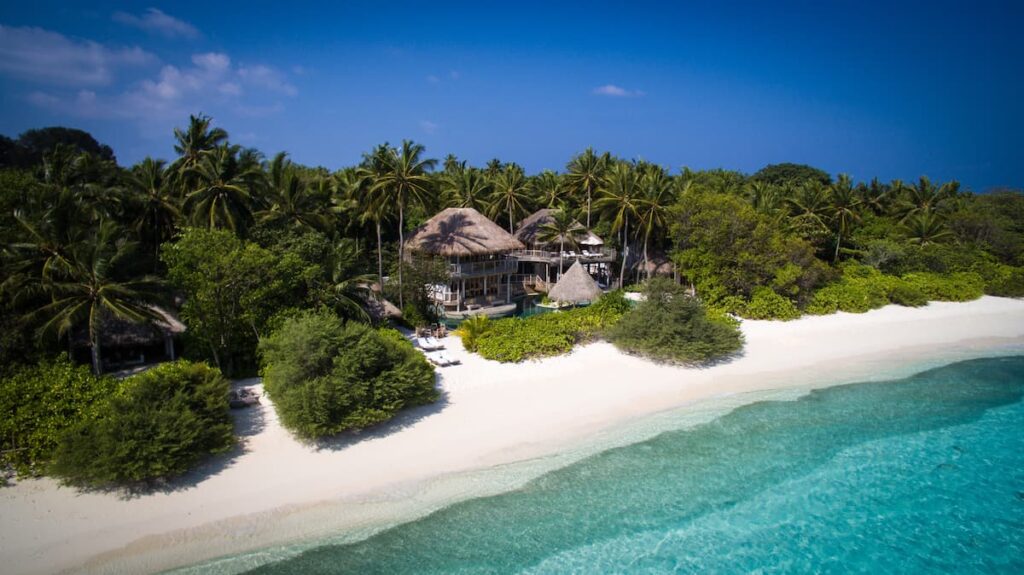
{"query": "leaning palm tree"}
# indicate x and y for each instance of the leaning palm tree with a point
(226, 182)
(511, 192)
(843, 204)
(562, 227)
(148, 182)
(808, 207)
(87, 293)
(652, 209)
(618, 198)
(404, 181)
(585, 173)
(292, 201)
(349, 292)
(924, 196)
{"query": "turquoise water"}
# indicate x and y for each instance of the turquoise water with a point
(920, 475)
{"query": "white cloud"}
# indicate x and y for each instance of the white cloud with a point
(433, 79)
(616, 91)
(266, 77)
(428, 126)
(156, 21)
(454, 75)
(43, 56)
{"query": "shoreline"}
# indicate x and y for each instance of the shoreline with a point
(498, 426)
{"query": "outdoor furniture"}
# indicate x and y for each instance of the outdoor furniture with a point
(428, 343)
(447, 359)
(437, 358)
(434, 342)
(242, 397)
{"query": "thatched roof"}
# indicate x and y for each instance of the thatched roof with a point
(460, 232)
(575, 286)
(590, 239)
(530, 230)
(117, 332)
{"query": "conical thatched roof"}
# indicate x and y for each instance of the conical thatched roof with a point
(119, 332)
(575, 286)
(460, 232)
(590, 239)
(530, 230)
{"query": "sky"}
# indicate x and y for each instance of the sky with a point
(887, 90)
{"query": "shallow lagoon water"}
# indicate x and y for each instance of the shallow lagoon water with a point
(923, 474)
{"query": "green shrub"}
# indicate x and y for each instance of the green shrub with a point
(766, 304)
(39, 403)
(326, 376)
(517, 339)
(471, 329)
(159, 424)
(671, 326)
(907, 295)
(961, 286)
(1001, 279)
(860, 289)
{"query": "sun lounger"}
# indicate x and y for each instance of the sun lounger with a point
(437, 358)
(434, 342)
(428, 343)
(447, 359)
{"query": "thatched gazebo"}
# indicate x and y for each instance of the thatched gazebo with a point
(480, 266)
(130, 342)
(575, 286)
(530, 230)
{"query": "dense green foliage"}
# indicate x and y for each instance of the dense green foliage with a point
(671, 326)
(158, 425)
(787, 173)
(327, 376)
(471, 329)
(39, 403)
(517, 339)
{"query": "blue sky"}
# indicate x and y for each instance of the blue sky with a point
(886, 90)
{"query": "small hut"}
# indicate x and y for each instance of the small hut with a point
(576, 286)
(531, 229)
(125, 342)
(477, 251)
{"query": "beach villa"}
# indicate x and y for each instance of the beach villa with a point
(539, 264)
(488, 267)
(481, 267)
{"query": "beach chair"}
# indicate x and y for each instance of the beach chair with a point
(433, 342)
(447, 359)
(438, 359)
(427, 343)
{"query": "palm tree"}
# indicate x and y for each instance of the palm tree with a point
(585, 173)
(619, 198)
(405, 180)
(926, 227)
(511, 191)
(549, 188)
(561, 227)
(808, 207)
(192, 142)
(226, 182)
(348, 291)
(468, 188)
(924, 196)
(292, 201)
(652, 209)
(149, 184)
(843, 208)
(86, 291)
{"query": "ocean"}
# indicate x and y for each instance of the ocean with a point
(918, 475)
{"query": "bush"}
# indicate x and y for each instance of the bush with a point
(907, 295)
(158, 425)
(39, 403)
(326, 376)
(671, 326)
(766, 304)
(517, 339)
(860, 289)
(961, 286)
(471, 329)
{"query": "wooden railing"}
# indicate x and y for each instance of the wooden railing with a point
(490, 267)
(600, 254)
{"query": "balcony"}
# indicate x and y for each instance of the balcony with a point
(585, 256)
(484, 268)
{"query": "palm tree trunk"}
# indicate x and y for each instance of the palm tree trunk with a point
(510, 231)
(839, 239)
(401, 255)
(561, 250)
(94, 348)
(625, 253)
(647, 265)
(380, 262)
(588, 209)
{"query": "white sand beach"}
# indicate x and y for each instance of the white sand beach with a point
(276, 489)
